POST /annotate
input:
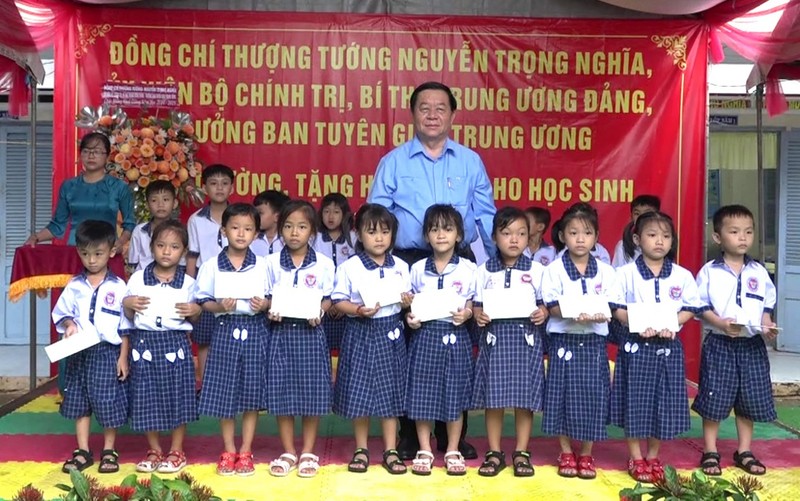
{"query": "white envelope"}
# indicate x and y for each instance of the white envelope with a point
(296, 302)
(163, 301)
(384, 292)
(433, 304)
(233, 285)
(658, 316)
(573, 305)
(507, 303)
(71, 345)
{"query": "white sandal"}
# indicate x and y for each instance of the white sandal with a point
(284, 465)
(454, 461)
(422, 463)
(308, 465)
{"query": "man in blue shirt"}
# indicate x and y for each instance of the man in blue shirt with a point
(433, 169)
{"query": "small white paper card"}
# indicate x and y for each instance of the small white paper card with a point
(296, 302)
(163, 301)
(507, 303)
(384, 292)
(232, 285)
(573, 306)
(71, 345)
(657, 316)
(433, 304)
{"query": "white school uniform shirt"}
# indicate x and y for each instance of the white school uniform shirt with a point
(636, 283)
(545, 254)
(525, 275)
(745, 297)
(263, 246)
(315, 272)
(97, 311)
(338, 250)
(562, 278)
(620, 258)
(139, 253)
(138, 284)
(254, 269)
(354, 273)
(599, 252)
(459, 274)
(205, 236)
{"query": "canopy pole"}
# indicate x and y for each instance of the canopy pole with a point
(762, 216)
(32, 211)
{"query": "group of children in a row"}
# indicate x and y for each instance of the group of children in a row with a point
(259, 360)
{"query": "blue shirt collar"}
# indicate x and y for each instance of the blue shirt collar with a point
(224, 263)
(146, 227)
(110, 275)
(417, 148)
(370, 264)
(572, 270)
(175, 283)
(721, 259)
(495, 264)
(327, 238)
(288, 264)
(647, 273)
(430, 264)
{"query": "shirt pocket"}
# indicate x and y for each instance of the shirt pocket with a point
(411, 192)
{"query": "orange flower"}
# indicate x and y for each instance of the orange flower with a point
(132, 174)
(172, 133)
(126, 164)
(163, 167)
(176, 182)
(105, 121)
(173, 147)
(171, 175)
(180, 157)
(145, 170)
(119, 158)
(159, 151)
(182, 174)
(143, 181)
(136, 132)
(173, 166)
(161, 139)
(136, 152)
(163, 177)
(147, 132)
(167, 156)
(147, 150)
(148, 141)
(188, 129)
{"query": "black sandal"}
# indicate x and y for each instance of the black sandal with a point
(748, 466)
(109, 461)
(389, 465)
(491, 468)
(358, 465)
(710, 460)
(75, 464)
(522, 468)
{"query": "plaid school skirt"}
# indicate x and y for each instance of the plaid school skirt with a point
(91, 386)
(734, 375)
(440, 371)
(577, 392)
(236, 371)
(334, 331)
(162, 380)
(648, 396)
(509, 371)
(201, 335)
(371, 374)
(298, 369)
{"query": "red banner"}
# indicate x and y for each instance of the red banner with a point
(560, 110)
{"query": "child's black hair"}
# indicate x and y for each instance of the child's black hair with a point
(95, 137)
(658, 218)
(581, 211)
(541, 215)
(341, 202)
(730, 211)
(92, 233)
(170, 226)
(241, 209)
(443, 215)
(555, 236)
(628, 245)
(302, 206)
(159, 186)
(373, 216)
(216, 170)
(646, 201)
(273, 198)
(505, 216)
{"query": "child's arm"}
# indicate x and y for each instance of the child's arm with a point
(726, 325)
(69, 326)
(768, 325)
(132, 305)
(191, 265)
(122, 361)
(463, 314)
(226, 305)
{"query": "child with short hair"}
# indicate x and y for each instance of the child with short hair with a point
(162, 373)
(371, 377)
(734, 364)
(161, 202)
(235, 378)
(626, 250)
(538, 249)
(269, 205)
(206, 240)
(95, 378)
(298, 360)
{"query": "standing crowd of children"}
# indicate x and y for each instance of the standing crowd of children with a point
(214, 282)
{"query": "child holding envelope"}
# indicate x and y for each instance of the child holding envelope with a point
(648, 397)
(440, 352)
(510, 367)
(298, 360)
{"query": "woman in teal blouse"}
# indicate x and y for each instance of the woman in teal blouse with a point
(91, 195)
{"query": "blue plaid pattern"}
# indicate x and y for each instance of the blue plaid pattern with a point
(648, 395)
(91, 386)
(509, 372)
(334, 331)
(224, 262)
(734, 374)
(371, 375)
(572, 270)
(577, 392)
(236, 371)
(370, 264)
(495, 264)
(439, 375)
(162, 392)
(176, 282)
(204, 329)
(298, 369)
(287, 263)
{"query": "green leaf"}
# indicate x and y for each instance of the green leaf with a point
(670, 475)
(700, 476)
(180, 487)
(63, 487)
(81, 484)
(157, 486)
(129, 481)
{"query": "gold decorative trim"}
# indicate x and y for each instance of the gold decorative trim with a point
(87, 34)
(676, 47)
